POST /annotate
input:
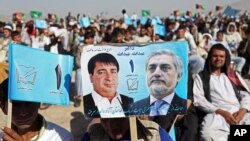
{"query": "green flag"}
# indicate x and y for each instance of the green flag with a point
(35, 14)
(145, 13)
(182, 13)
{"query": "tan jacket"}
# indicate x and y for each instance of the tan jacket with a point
(3, 71)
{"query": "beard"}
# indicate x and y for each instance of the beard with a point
(158, 90)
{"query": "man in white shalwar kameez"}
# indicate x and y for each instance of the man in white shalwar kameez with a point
(222, 94)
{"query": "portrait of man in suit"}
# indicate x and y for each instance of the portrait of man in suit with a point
(104, 100)
(163, 71)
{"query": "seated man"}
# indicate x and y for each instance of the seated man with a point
(111, 129)
(27, 123)
(196, 62)
(222, 95)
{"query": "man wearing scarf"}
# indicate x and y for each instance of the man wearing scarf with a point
(222, 95)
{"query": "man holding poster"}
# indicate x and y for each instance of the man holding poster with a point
(27, 124)
(105, 101)
(163, 71)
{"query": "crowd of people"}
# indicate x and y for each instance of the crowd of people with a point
(218, 55)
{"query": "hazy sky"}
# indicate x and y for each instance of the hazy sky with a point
(113, 7)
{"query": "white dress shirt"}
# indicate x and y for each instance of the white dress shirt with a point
(107, 108)
(214, 126)
(222, 95)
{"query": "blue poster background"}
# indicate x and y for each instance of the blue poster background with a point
(39, 76)
(132, 80)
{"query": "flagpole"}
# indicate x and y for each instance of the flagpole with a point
(9, 115)
(153, 33)
(173, 123)
(133, 129)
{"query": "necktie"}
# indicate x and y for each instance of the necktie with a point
(160, 108)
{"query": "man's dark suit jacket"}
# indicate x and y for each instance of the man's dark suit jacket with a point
(91, 110)
(177, 106)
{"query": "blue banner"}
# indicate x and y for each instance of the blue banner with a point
(230, 12)
(160, 29)
(39, 76)
(85, 22)
(143, 20)
(40, 24)
(156, 20)
(132, 74)
(172, 17)
(135, 23)
(128, 21)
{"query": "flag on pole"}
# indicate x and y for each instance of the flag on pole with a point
(128, 21)
(143, 20)
(172, 17)
(230, 12)
(157, 19)
(182, 13)
(199, 6)
(18, 16)
(35, 14)
(218, 8)
(145, 13)
(44, 80)
(85, 22)
(160, 29)
(153, 21)
(135, 23)
(41, 24)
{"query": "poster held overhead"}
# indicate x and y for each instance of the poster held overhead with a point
(39, 80)
(118, 81)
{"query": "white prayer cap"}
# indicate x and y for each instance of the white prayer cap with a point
(8, 27)
(207, 34)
